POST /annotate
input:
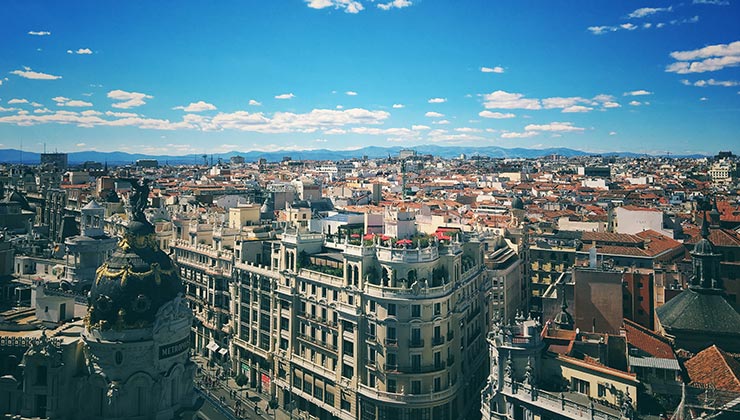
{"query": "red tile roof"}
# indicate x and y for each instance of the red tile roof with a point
(712, 366)
(647, 341)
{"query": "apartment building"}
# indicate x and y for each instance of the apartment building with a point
(371, 327)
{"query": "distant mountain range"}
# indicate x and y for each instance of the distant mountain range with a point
(119, 158)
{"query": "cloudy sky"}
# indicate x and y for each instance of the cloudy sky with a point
(181, 77)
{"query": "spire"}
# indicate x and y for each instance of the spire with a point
(704, 225)
(714, 214)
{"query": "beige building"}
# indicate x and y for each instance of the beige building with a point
(344, 328)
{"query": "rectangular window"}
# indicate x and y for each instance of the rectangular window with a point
(416, 387)
(437, 308)
(348, 348)
(580, 386)
(391, 386)
(347, 371)
(437, 384)
(392, 309)
(416, 311)
(345, 405)
(372, 306)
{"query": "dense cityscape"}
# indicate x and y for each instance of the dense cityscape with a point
(405, 287)
(369, 209)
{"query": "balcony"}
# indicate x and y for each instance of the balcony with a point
(438, 341)
(391, 342)
(431, 397)
(415, 344)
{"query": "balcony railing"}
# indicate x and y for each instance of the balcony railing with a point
(391, 342)
(437, 341)
(415, 344)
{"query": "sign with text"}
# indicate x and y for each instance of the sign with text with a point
(174, 349)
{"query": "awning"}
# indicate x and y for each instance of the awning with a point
(212, 346)
(223, 351)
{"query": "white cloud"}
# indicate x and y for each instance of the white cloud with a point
(27, 73)
(335, 131)
(647, 11)
(713, 2)
(285, 96)
(710, 58)
(75, 103)
(515, 135)
(8, 109)
(496, 115)
(432, 114)
(496, 69)
(253, 102)
(91, 112)
(600, 30)
(611, 104)
(397, 106)
(349, 6)
(441, 122)
(128, 99)
(420, 127)
(280, 122)
(641, 92)
(18, 101)
(81, 144)
(42, 111)
(505, 100)
(39, 33)
(468, 130)
(81, 51)
(36, 104)
(397, 4)
(703, 98)
(612, 133)
(553, 126)
(558, 102)
(199, 106)
(351, 93)
(635, 103)
(628, 26)
(577, 108)
(437, 100)
(121, 114)
(712, 82)
(339, 107)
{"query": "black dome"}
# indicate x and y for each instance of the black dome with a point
(133, 283)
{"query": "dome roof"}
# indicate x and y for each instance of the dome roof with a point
(133, 283)
(563, 319)
(517, 203)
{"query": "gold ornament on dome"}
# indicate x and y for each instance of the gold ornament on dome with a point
(127, 271)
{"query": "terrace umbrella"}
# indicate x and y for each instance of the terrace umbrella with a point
(403, 242)
(368, 237)
(384, 238)
(354, 235)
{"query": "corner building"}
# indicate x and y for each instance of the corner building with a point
(346, 328)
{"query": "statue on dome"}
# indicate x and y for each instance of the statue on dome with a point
(139, 199)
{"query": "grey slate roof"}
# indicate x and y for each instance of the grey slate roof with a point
(702, 310)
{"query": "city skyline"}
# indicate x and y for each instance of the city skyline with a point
(645, 77)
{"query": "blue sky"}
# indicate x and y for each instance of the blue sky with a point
(178, 77)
